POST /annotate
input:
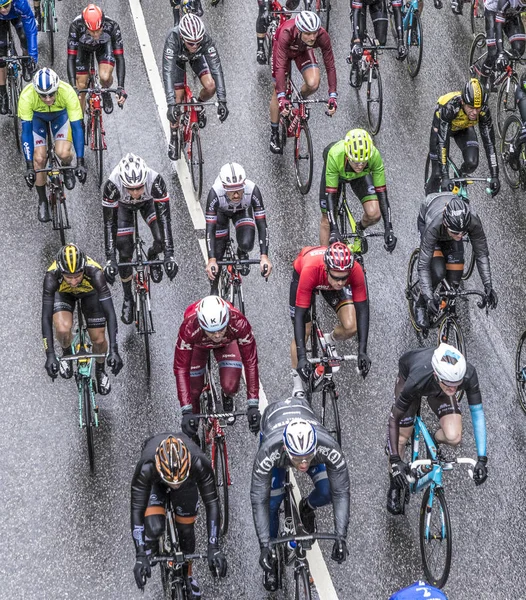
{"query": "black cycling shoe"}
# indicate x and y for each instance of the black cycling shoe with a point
(275, 145)
(4, 103)
(66, 368)
(355, 77)
(26, 73)
(174, 151)
(156, 271)
(103, 381)
(201, 118)
(69, 179)
(43, 211)
(127, 315)
(107, 102)
(270, 580)
(394, 499)
(245, 269)
(261, 57)
(308, 516)
(421, 316)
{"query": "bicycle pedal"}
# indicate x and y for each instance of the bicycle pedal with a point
(96, 408)
(230, 420)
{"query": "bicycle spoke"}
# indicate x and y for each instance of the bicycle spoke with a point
(374, 99)
(303, 158)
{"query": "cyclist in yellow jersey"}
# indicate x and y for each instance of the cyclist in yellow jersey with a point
(50, 100)
(455, 116)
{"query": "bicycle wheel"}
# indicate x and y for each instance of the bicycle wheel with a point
(506, 101)
(449, 332)
(144, 320)
(510, 133)
(14, 93)
(412, 290)
(374, 99)
(172, 585)
(51, 28)
(477, 17)
(195, 161)
(469, 259)
(88, 421)
(239, 301)
(302, 584)
(435, 537)
(478, 51)
(62, 224)
(330, 415)
(520, 371)
(303, 158)
(221, 477)
(414, 42)
(98, 147)
(328, 9)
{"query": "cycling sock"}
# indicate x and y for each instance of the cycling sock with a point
(41, 191)
(274, 126)
(261, 43)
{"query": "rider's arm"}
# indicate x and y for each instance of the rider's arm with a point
(427, 248)
(73, 45)
(140, 493)
(399, 408)
(118, 53)
(26, 113)
(182, 361)
(445, 114)
(170, 54)
(281, 60)
(261, 220)
(332, 179)
(30, 28)
(396, 6)
(376, 164)
(478, 240)
(214, 64)
(306, 285)
(106, 302)
(75, 116)
(110, 204)
(27, 140)
(48, 299)
(212, 204)
(249, 354)
(487, 133)
(355, 14)
(201, 471)
(324, 42)
(471, 385)
(161, 201)
(361, 305)
(265, 460)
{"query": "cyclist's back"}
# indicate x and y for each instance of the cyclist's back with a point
(418, 590)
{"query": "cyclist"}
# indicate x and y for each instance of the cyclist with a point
(437, 373)
(189, 43)
(262, 23)
(181, 7)
(341, 280)
(214, 324)
(295, 40)
(50, 100)
(419, 590)
(235, 198)
(19, 14)
(172, 466)
(133, 186)
(74, 276)
(92, 32)
(443, 221)
(357, 161)
(291, 436)
(520, 101)
(456, 115)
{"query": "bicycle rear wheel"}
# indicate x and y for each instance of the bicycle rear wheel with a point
(374, 99)
(50, 23)
(414, 42)
(195, 161)
(478, 51)
(469, 259)
(14, 93)
(303, 158)
(221, 477)
(510, 135)
(98, 147)
(435, 537)
(506, 101)
(88, 421)
(330, 415)
(520, 371)
(144, 328)
(477, 17)
(239, 301)
(302, 584)
(412, 290)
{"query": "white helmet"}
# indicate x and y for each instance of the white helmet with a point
(133, 171)
(308, 22)
(191, 28)
(232, 177)
(299, 437)
(448, 364)
(213, 313)
(46, 81)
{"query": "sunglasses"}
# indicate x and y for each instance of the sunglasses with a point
(301, 460)
(52, 95)
(453, 384)
(344, 278)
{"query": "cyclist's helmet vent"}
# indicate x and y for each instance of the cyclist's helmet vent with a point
(338, 257)
(308, 22)
(172, 459)
(232, 177)
(46, 81)
(457, 215)
(473, 93)
(358, 145)
(70, 259)
(449, 365)
(299, 438)
(191, 28)
(93, 17)
(213, 313)
(133, 171)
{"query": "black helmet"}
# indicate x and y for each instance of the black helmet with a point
(457, 215)
(473, 93)
(70, 259)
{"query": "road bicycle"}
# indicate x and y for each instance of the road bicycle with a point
(141, 290)
(292, 544)
(322, 8)
(83, 363)
(14, 84)
(296, 125)
(435, 523)
(413, 34)
(520, 370)
(368, 70)
(173, 562)
(511, 145)
(212, 438)
(277, 16)
(49, 24)
(55, 188)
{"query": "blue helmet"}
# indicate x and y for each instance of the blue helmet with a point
(419, 591)
(46, 81)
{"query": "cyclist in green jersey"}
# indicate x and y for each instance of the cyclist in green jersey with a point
(355, 160)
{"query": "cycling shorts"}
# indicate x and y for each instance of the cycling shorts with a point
(104, 55)
(60, 128)
(91, 307)
(199, 67)
(303, 61)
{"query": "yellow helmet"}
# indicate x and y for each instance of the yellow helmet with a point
(358, 146)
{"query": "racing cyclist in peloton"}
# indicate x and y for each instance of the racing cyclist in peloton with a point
(357, 161)
(50, 100)
(19, 14)
(291, 436)
(295, 40)
(235, 198)
(133, 186)
(92, 32)
(437, 373)
(172, 465)
(262, 23)
(456, 115)
(181, 7)
(443, 221)
(520, 102)
(73, 277)
(189, 43)
(419, 591)
(212, 324)
(341, 280)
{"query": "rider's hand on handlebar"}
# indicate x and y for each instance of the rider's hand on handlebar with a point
(339, 551)
(364, 364)
(170, 266)
(357, 51)
(304, 369)
(114, 360)
(172, 114)
(217, 561)
(390, 240)
(254, 418)
(212, 269)
(480, 472)
(494, 186)
(284, 105)
(121, 95)
(491, 296)
(52, 365)
(332, 105)
(399, 471)
(80, 170)
(502, 62)
(142, 569)
(447, 185)
(265, 266)
(266, 559)
(30, 175)
(111, 270)
(222, 110)
(189, 424)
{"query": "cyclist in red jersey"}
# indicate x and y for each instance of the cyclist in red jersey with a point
(341, 280)
(214, 324)
(295, 40)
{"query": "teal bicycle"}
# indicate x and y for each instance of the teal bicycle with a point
(83, 360)
(49, 25)
(413, 35)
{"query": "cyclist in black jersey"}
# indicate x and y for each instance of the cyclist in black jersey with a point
(235, 198)
(437, 373)
(181, 7)
(171, 464)
(520, 101)
(133, 186)
(74, 276)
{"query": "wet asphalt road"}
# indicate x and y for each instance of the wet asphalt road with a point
(66, 533)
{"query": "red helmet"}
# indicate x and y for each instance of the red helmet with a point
(93, 17)
(338, 257)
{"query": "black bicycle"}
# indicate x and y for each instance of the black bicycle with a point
(14, 84)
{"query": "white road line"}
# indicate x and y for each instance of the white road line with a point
(318, 567)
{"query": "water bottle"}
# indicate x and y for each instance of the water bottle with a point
(318, 374)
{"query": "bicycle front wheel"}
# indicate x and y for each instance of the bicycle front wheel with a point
(510, 135)
(303, 158)
(374, 99)
(412, 290)
(520, 371)
(330, 415)
(144, 329)
(302, 584)
(478, 51)
(435, 537)
(62, 216)
(414, 42)
(50, 23)
(506, 101)
(239, 300)
(14, 93)
(449, 332)
(88, 421)
(98, 147)
(195, 162)
(221, 477)
(469, 259)
(172, 586)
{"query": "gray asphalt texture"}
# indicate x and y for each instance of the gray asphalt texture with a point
(65, 533)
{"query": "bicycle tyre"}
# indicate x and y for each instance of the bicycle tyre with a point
(88, 422)
(303, 183)
(511, 130)
(51, 29)
(239, 301)
(414, 42)
(443, 534)
(449, 332)
(330, 414)
(520, 371)
(476, 13)
(98, 147)
(195, 161)
(145, 325)
(374, 99)
(412, 290)
(506, 101)
(478, 50)
(221, 478)
(14, 93)
(62, 224)
(302, 584)
(328, 9)
(469, 260)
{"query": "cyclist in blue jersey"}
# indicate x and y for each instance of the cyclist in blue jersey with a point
(419, 590)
